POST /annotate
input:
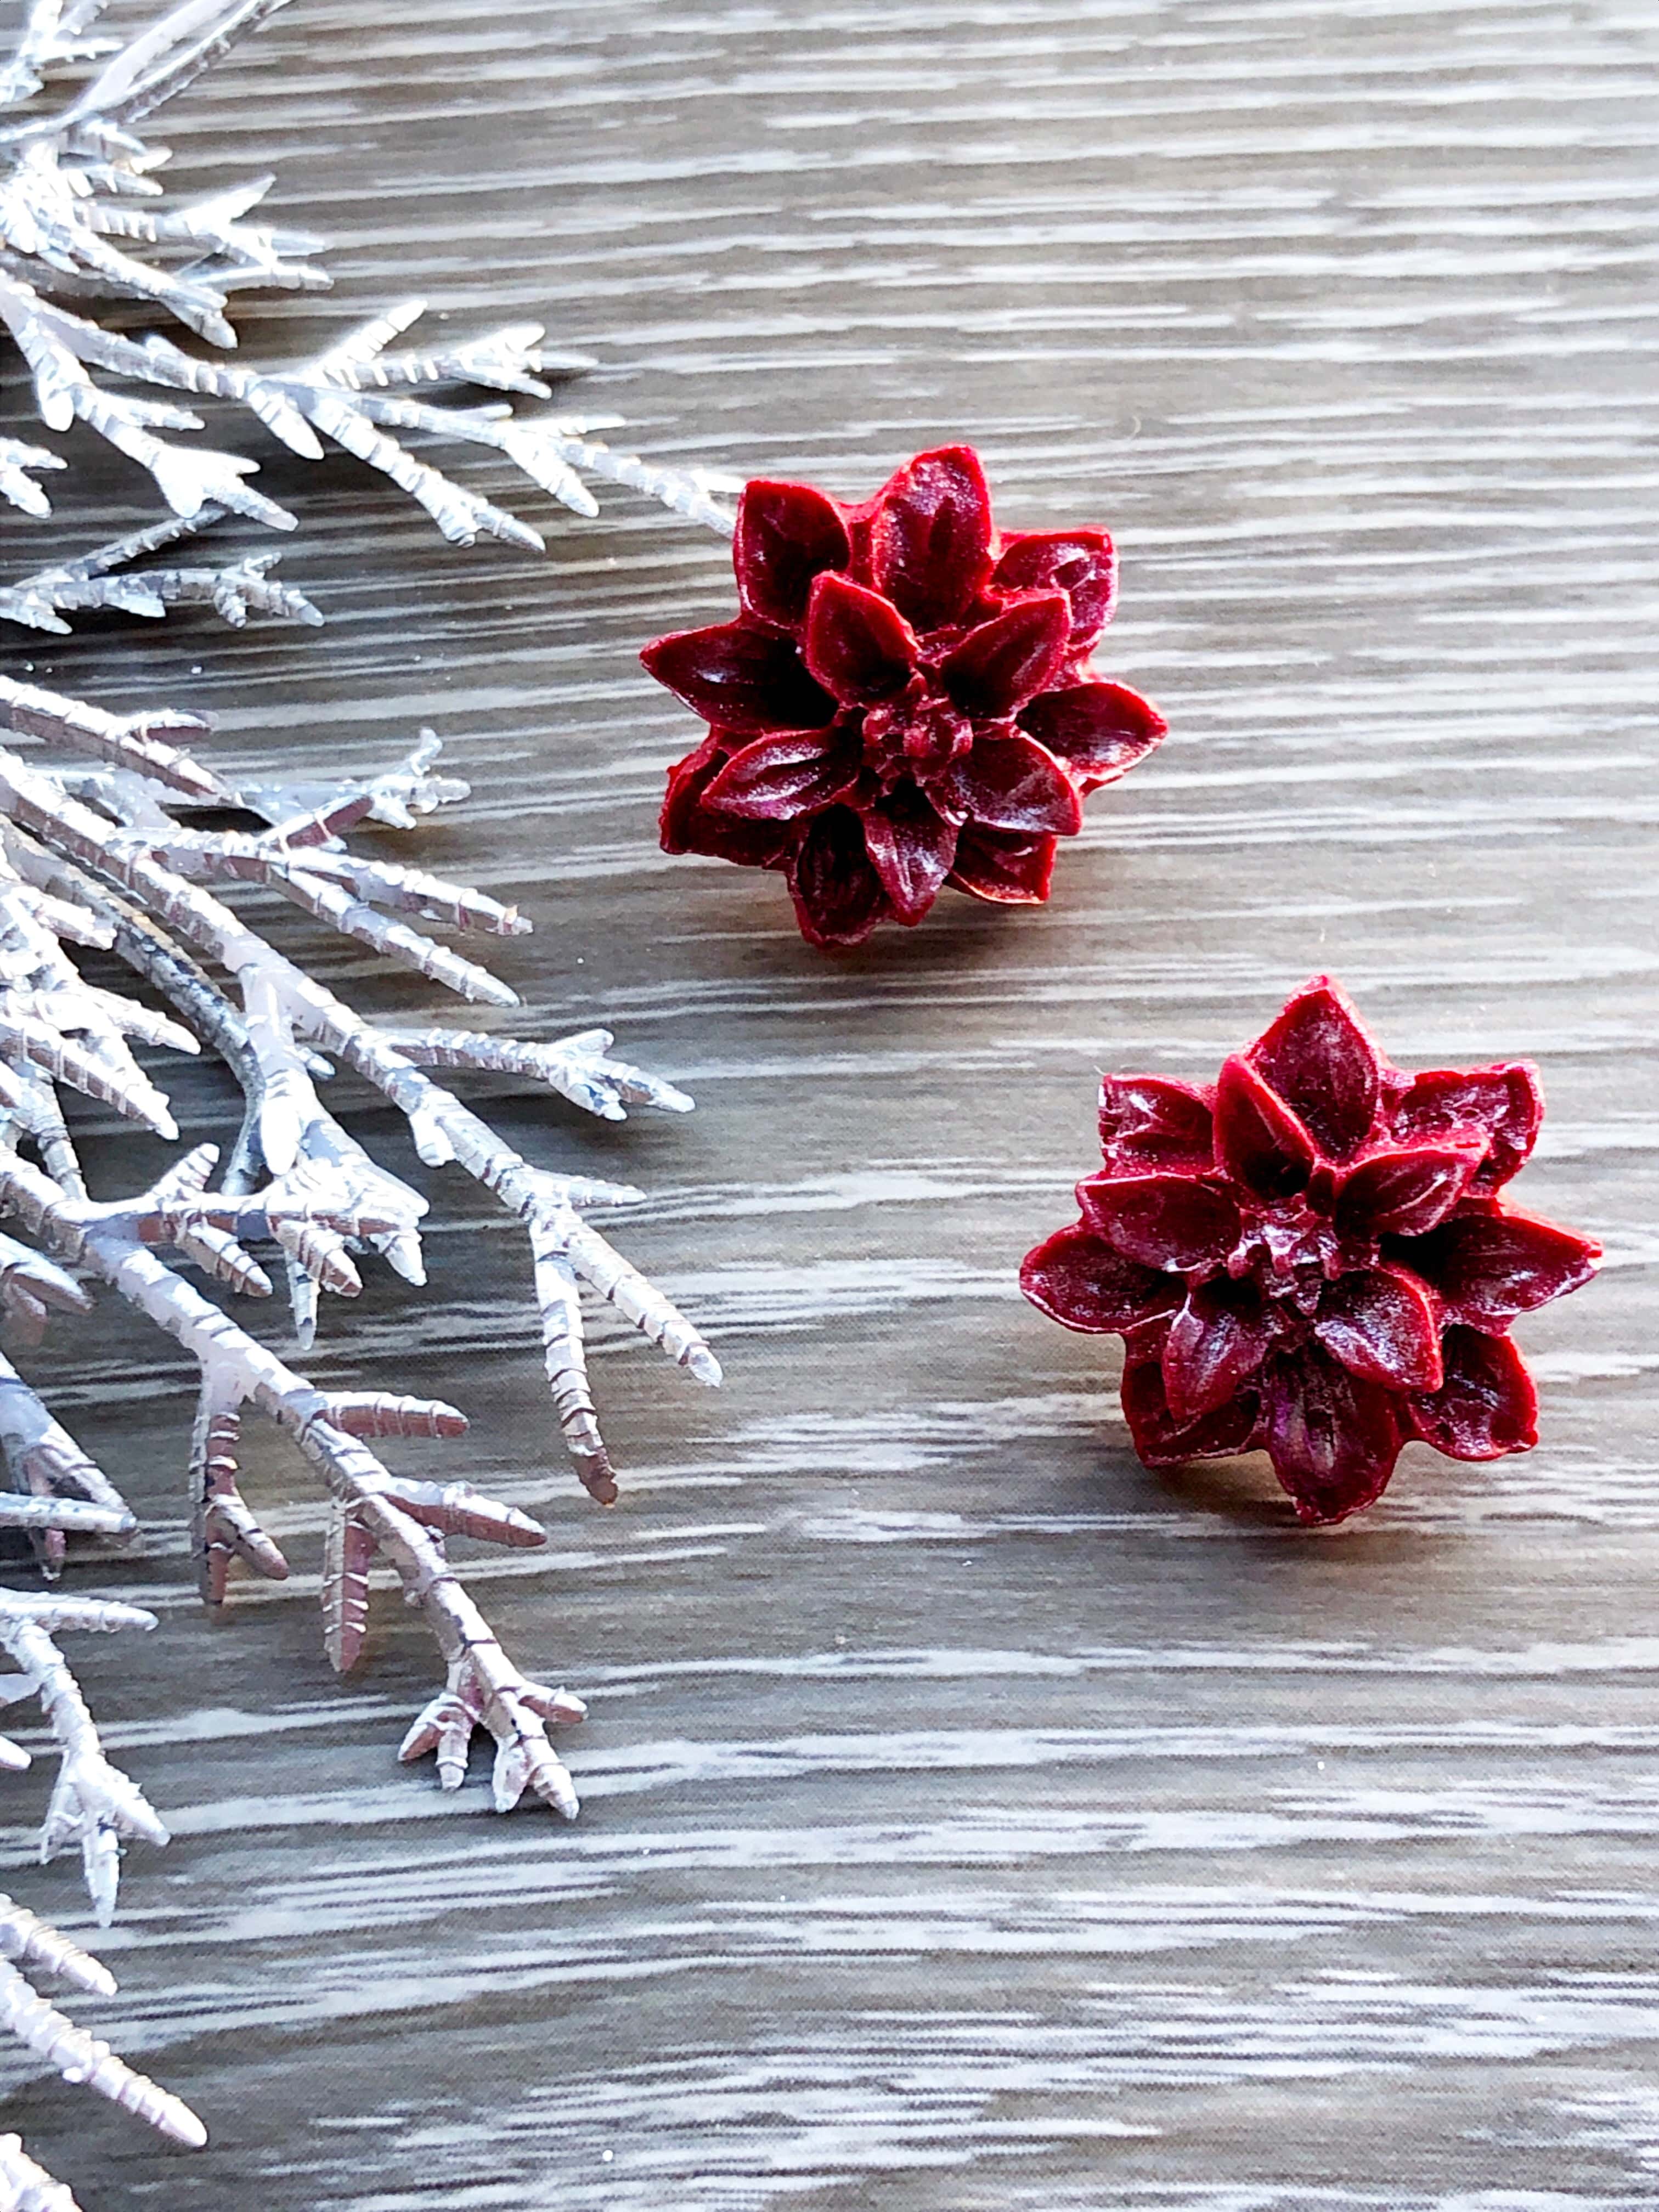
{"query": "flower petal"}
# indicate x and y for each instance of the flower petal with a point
(791, 772)
(858, 644)
(1162, 1440)
(1504, 1101)
(1333, 1437)
(911, 849)
(1405, 1190)
(930, 537)
(1216, 1343)
(1101, 731)
(1078, 1279)
(1487, 1266)
(1011, 783)
(687, 826)
(838, 895)
(1002, 865)
(1258, 1140)
(1078, 563)
(1486, 1407)
(1003, 662)
(1161, 1220)
(743, 677)
(1147, 1121)
(1321, 1061)
(787, 535)
(1382, 1325)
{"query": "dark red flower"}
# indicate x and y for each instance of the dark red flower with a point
(1310, 1255)
(904, 700)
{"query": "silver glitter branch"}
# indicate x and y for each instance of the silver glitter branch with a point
(234, 589)
(94, 854)
(51, 38)
(98, 850)
(28, 1948)
(82, 217)
(288, 1018)
(372, 1511)
(95, 1807)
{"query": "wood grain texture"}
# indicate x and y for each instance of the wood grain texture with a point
(974, 1822)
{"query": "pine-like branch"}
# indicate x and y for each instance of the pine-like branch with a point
(51, 39)
(375, 1511)
(83, 218)
(287, 1016)
(98, 853)
(29, 1948)
(94, 852)
(104, 579)
(95, 1806)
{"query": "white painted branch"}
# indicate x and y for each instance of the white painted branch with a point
(26, 2187)
(405, 1520)
(94, 1804)
(283, 1007)
(83, 2059)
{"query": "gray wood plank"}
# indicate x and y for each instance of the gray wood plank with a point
(974, 1822)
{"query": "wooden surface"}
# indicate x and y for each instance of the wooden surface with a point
(974, 1822)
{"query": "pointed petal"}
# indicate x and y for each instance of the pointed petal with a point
(1003, 867)
(1011, 783)
(1080, 1281)
(858, 644)
(1382, 1325)
(743, 677)
(1101, 731)
(838, 895)
(1003, 662)
(1486, 1407)
(1216, 1343)
(1078, 563)
(687, 826)
(1161, 1220)
(1504, 1101)
(1258, 1140)
(1333, 1437)
(787, 535)
(1162, 1440)
(789, 773)
(1147, 1121)
(930, 537)
(1321, 1061)
(1405, 1190)
(910, 849)
(1487, 1266)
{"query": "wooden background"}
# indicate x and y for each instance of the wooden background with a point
(974, 1822)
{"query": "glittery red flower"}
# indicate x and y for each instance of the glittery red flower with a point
(1311, 1256)
(904, 700)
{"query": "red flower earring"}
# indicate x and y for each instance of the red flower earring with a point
(904, 702)
(1311, 1256)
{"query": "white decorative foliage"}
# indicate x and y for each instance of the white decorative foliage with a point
(97, 850)
(83, 216)
(96, 1809)
(95, 1806)
(30, 1948)
(100, 853)
(94, 852)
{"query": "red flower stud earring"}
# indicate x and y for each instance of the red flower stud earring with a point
(1311, 1256)
(904, 702)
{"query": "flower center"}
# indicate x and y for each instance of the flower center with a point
(1292, 1249)
(915, 734)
